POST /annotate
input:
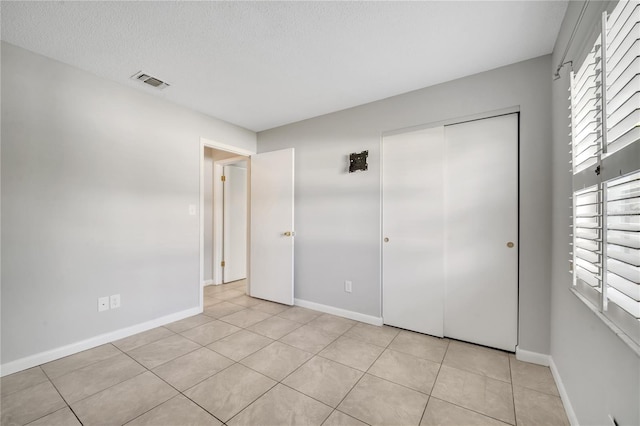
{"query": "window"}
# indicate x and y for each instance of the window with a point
(605, 152)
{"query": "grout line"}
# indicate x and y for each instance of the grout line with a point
(79, 368)
(183, 394)
(472, 410)
(513, 396)
(435, 380)
(460, 406)
(364, 373)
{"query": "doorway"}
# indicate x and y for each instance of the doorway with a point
(230, 213)
(268, 227)
(450, 229)
(215, 240)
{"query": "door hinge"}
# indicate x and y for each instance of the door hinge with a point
(223, 178)
(222, 264)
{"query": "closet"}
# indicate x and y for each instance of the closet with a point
(450, 230)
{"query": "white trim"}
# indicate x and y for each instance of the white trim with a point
(204, 142)
(369, 319)
(201, 221)
(218, 206)
(564, 396)
(207, 282)
(92, 342)
(224, 147)
(532, 357)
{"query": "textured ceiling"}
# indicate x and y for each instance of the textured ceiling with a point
(264, 64)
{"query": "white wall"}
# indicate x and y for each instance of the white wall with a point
(96, 183)
(600, 373)
(338, 214)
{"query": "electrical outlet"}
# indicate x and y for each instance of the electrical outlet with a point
(103, 303)
(347, 286)
(115, 301)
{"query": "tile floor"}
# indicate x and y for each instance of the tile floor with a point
(250, 362)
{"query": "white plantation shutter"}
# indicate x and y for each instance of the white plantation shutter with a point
(586, 115)
(586, 132)
(623, 254)
(623, 76)
(587, 244)
(605, 148)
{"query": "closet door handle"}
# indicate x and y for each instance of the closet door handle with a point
(510, 244)
(386, 240)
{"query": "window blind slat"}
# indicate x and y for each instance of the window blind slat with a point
(630, 189)
(584, 222)
(587, 244)
(589, 234)
(587, 277)
(624, 223)
(616, 115)
(625, 270)
(633, 135)
(628, 45)
(620, 34)
(587, 255)
(625, 302)
(625, 254)
(624, 207)
(621, 73)
(619, 17)
(588, 210)
(626, 239)
(624, 286)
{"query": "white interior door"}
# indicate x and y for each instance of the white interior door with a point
(272, 230)
(235, 222)
(413, 223)
(481, 299)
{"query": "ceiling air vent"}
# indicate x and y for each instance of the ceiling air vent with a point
(151, 81)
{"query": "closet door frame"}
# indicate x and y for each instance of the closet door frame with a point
(447, 122)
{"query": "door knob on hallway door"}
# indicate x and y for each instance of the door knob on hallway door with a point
(386, 240)
(289, 234)
(510, 244)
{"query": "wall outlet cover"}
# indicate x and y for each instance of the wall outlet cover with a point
(103, 304)
(115, 301)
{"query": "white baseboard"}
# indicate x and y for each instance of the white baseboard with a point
(547, 361)
(207, 282)
(369, 319)
(92, 342)
(568, 408)
(532, 357)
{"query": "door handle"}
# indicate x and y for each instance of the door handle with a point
(386, 240)
(510, 244)
(289, 234)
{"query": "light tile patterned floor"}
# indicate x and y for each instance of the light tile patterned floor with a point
(251, 362)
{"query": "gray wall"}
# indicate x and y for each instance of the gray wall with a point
(338, 214)
(96, 183)
(600, 373)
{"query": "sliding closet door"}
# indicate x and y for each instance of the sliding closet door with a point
(481, 246)
(413, 223)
